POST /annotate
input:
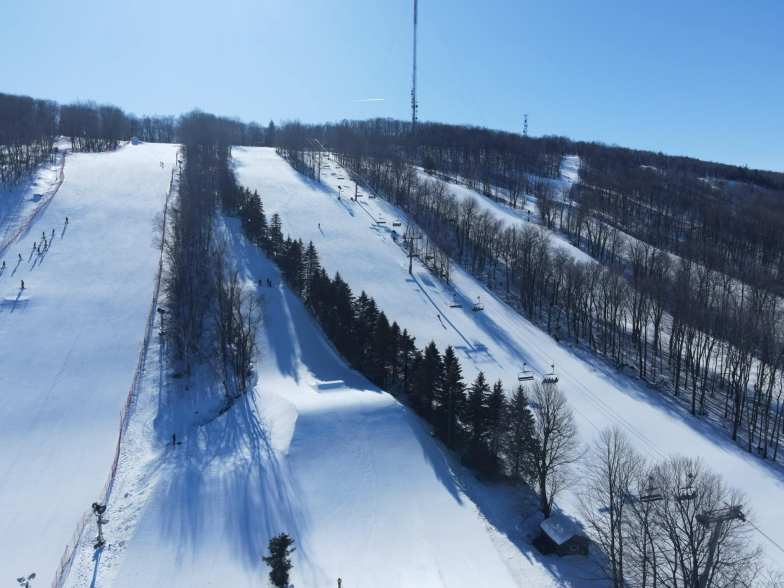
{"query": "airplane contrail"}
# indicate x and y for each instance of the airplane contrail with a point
(370, 100)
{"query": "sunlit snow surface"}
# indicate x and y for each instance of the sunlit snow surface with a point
(69, 342)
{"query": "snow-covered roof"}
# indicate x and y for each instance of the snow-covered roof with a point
(559, 528)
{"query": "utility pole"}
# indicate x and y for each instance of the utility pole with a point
(525, 125)
(717, 518)
(414, 105)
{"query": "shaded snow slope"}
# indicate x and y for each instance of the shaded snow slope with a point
(315, 451)
(69, 343)
(499, 339)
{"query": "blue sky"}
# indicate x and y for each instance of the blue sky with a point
(691, 77)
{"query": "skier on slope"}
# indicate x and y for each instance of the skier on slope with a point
(20, 258)
(22, 284)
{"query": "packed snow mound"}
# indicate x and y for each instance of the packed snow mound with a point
(69, 341)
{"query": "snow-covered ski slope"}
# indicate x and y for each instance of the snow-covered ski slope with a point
(528, 212)
(315, 451)
(69, 342)
(497, 340)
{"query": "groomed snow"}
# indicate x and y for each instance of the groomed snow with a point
(497, 340)
(69, 343)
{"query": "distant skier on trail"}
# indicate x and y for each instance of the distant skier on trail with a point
(22, 284)
(174, 439)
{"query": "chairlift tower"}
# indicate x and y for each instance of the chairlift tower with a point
(525, 125)
(718, 518)
(409, 237)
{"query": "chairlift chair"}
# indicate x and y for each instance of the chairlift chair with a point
(652, 493)
(380, 221)
(396, 223)
(525, 375)
(477, 306)
(550, 377)
(687, 492)
(455, 302)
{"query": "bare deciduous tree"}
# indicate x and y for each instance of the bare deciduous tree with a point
(610, 473)
(556, 443)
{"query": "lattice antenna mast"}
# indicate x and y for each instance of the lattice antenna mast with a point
(414, 105)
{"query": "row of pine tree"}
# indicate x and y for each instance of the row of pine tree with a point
(493, 434)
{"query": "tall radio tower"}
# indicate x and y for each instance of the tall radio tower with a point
(414, 105)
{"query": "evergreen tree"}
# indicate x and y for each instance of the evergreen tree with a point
(275, 243)
(339, 319)
(254, 223)
(406, 355)
(496, 420)
(279, 559)
(450, 401)
(365, 315)
(518, 440)
(382, 351)
(394, 361)
(428, 378)
(476, 410)
(293, 266)
(312, 269)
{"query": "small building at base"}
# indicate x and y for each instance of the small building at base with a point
(561, 536)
